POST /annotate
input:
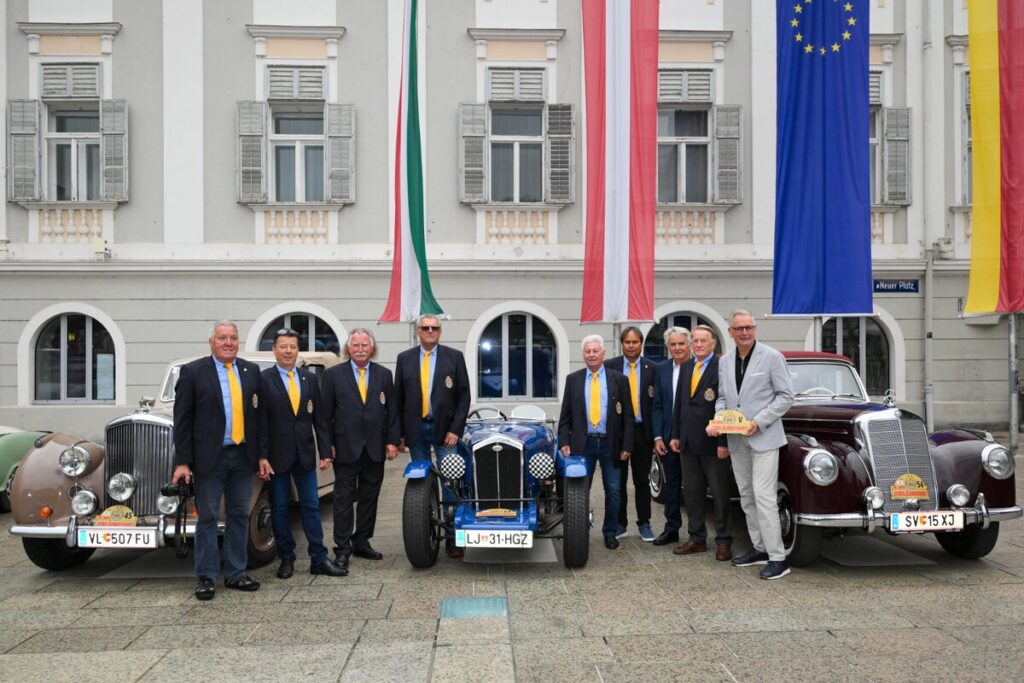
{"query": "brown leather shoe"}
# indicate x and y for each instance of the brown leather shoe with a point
(689, 548)
(724, 552)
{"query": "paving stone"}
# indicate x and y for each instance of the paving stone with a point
(333, 591)
(633, 624)
(211, 613)
(825, 619)
(399, 662)
(795, 669)
(80, 640)
(668, 671)
(50, 601)
(287, 633)
(562, 672)
(10, 637)
(541, 626)
(125, 599)
(734, 599)
(266, 663)
(580, 650)
(473, 663)
(658, 648)
(193, 636)
(472, 630)
(43, 619)
(786, 645)
(88, 667)
(897, 642)
(719, 621)
(129, 616)
(399, 629)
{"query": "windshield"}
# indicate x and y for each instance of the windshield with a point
(167, 391)
(823, 379)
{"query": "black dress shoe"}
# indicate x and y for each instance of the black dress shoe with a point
(242, 583)
(341, 559)
(367, 553)
(611, 543)
(286, 569)
(328, 568)
(204, 589)
(665, 537)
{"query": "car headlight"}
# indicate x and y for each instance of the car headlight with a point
(874, 497)
(74, 461)
(452, 466)
(821, 467)
(167, 505)
(542, 466)
(997, 461)
(83, 502)
(958, 495)
(121, 486)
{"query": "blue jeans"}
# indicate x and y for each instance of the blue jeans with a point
(231, 479)
(309, 507)
(420, 449)
(596, 451)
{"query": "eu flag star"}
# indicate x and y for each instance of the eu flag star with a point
(835, 47)
(846, 35)
(852, 21)
(822, 52)
(794, 23)
(798, 8)
(799, 37)
(809, 49)
(848, 7)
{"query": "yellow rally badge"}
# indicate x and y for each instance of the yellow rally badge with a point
(116, 515)
(909, 486)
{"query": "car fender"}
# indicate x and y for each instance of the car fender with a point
(573, 466)
(13, 448)
(959, 462)
(418, 469)
(841, 496)
(40, 483)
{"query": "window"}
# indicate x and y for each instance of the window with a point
(875, 156)
(683, 145)
(864, 342)
(968, 158)
(73, 152)
(297, 141)
(74, 361)
(314, 333)
(654, 343)
(517, 358)
(517, 168)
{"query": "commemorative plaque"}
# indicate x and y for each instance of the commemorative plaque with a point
(730, 422)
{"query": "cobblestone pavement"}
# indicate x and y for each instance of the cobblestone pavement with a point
(639, 613)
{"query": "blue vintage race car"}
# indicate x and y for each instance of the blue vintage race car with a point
(506, 485)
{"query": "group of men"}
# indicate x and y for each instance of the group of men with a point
(231, 420)
(622, 412)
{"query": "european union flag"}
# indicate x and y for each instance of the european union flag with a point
(823, 198)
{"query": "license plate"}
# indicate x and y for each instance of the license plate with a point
(471, 538)
(938, 520)
(124, 537)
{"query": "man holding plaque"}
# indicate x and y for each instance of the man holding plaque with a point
(703, 459)
(753, 380)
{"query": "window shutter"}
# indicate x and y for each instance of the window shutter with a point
(728, 158)
(114, 134)
(684, 86)
(875, 88)
(23, 149)
(251, 126)
(560, 155)
(698, 86)
(295, 83)
(896, 156)
(341, 150)
(967, 91)
(70, 80)
(670, 86)
(515, 85)
(472, 153)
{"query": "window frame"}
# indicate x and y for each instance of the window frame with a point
(877, 173)
(299, 143)
(681, 143)
(529, 394)
(516, 141)
(861, 362)
(63, 363)
(272, 326)
(79, 143)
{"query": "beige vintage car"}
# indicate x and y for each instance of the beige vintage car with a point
(71, 496)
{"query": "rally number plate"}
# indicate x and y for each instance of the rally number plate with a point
(470, 538)
(116, 537)
(936, 520)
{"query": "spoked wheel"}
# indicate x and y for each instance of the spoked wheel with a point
(261, 546)
(802, 543)
(421, 521)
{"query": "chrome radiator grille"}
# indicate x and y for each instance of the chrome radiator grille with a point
(498, 474)
(899, 445)
(143, 450)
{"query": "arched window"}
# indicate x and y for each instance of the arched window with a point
(517, 358)
(864, 342)
(314, 333)
(74, 361)
(654, 343)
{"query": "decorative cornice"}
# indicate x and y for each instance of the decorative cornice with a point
(885, 38)
(275, 31)
(545, 34)
(667, 36)
(957, 41)
(109, 28)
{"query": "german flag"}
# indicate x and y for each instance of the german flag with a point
(996, 34)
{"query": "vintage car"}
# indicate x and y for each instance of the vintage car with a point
(71, 496)
(852, 465)
(506, 485)
(14, 444)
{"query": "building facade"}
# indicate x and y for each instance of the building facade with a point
(174, 162)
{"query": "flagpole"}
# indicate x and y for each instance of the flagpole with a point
(1014, 388)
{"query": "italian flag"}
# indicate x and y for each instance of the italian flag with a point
(410, 295)
(620, 76)
(996, 35)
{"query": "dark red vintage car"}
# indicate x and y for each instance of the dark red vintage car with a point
(855, 465)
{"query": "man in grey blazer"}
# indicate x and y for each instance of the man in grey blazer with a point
(753, 379)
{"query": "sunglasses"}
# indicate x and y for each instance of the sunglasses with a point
(286, 332)
(430, 328)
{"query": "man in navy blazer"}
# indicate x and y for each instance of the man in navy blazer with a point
(602, 433)
(632, 364)
(358, 401)
(704, 459)
(216, 441)
(292, 435)
(666, 379)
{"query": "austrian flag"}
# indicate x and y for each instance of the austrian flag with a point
(620, 68)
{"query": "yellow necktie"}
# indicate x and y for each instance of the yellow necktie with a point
(695, 377)
(362, 383)
(595, 401)
(293, 391)
(237, 416)
(634, 390)
(425, 382)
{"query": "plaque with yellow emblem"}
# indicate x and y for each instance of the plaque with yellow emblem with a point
(730, 422)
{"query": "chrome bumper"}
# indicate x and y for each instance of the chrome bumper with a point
(69, 532)
(869, 520)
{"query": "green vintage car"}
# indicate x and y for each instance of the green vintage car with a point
(14, 444)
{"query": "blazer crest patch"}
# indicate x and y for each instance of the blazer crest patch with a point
(255, 401)
(709, 394)
(618, 407)
(383, 399)
(309, 406)
(650, 391)
(448, 381)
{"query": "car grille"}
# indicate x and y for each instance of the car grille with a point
(143, 450)
(498, 471)
(899, 445)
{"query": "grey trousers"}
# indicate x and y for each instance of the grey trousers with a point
(757, 476)
(701, 472)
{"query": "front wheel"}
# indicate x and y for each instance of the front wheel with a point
(576, 523)
(54, 554)
(5, 495)
(802, 543)
(261, 547)
(971, 543)
(421, 516)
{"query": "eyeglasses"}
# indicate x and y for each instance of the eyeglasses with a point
(744, 328)
(430, 328)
